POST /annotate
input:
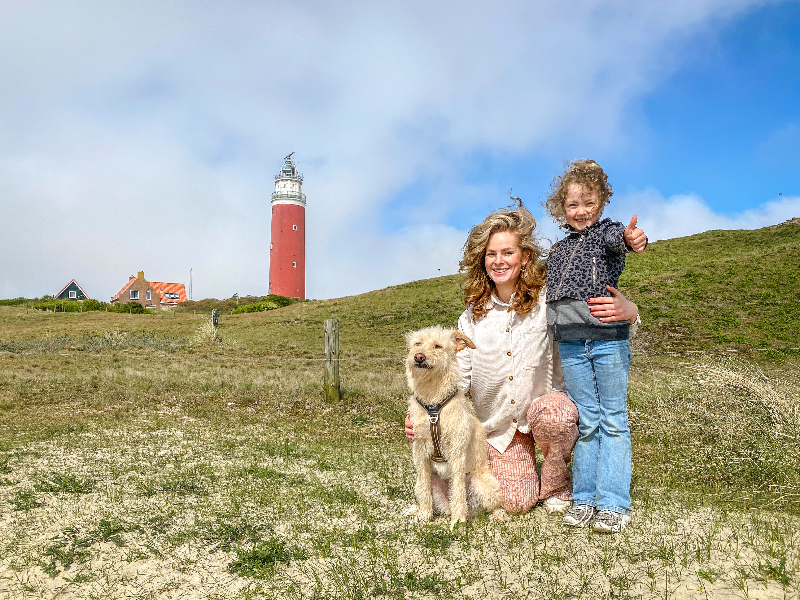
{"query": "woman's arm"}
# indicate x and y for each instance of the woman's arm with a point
(614, 308)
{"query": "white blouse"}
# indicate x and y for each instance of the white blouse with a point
(515, 361)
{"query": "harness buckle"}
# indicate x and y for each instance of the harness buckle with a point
(433, 418)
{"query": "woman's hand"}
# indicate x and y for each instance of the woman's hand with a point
(614, 308)
(409, 427)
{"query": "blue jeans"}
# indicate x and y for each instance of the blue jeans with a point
(596, 376)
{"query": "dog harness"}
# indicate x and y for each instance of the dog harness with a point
(433, 418)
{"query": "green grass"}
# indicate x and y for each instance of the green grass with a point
(213, 464)
(731, 289)
(70, 484)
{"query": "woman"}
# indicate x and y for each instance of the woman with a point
(513, 375)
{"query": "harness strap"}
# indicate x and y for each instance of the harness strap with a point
(433, 411)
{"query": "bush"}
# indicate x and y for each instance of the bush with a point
(272, 302)
(129, 307)
(13, 302)
(91, 304)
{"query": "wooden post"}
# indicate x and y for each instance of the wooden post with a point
(215, 317)
(332, 360)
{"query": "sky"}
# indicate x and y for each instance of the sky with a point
(146, 136)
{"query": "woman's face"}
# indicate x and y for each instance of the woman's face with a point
(504, 259)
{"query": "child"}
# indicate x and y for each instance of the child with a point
(595, 353)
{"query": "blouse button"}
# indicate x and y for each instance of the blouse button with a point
(509, 353)
(515, 420)
(512, 402)
(511, 378)
(507, 329)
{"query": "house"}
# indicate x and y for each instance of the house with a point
(71, 291)
(150, 294)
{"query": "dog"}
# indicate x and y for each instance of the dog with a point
(459, 455)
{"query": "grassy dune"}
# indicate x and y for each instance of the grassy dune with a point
(150, 456)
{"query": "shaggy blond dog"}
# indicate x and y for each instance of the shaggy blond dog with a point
(434, 378)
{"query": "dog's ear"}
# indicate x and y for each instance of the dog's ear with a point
(462, 341)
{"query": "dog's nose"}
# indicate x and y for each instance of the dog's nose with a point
(419, 357)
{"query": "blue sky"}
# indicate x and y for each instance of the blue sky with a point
(146, 137)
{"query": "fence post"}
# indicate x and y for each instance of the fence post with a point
(215, 317)
(332, 360)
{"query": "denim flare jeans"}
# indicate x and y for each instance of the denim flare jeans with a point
(596, 377)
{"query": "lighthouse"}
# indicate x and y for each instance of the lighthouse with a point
(287, 249)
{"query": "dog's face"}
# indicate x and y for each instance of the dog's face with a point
(432, 350)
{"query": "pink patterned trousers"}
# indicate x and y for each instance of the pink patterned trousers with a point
(554, 428)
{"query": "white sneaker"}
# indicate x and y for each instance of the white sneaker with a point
(556, 506)
(608, 521)
(579, 515)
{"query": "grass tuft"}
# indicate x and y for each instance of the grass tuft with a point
(262, 560)
(70, 484)
(25, 500)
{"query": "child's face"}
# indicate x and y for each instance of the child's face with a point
(582, 206)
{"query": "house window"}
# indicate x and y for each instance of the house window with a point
(148, 294)
(134, 294)
(294, 227)
(294, 265)
(73, 295)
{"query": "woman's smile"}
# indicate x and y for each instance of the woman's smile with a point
(504, 261)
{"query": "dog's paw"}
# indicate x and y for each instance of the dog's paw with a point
(456, 521)
(418, 515)
(425, 516)
(499, 516)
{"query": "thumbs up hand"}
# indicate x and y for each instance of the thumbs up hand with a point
(635, 237)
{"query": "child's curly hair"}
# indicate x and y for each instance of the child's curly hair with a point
(476, 284)
(583, 172)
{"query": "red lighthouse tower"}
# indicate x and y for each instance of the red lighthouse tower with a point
(287, 249)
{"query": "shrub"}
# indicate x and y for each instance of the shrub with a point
(13, 301)
(272, 302)
(129, 307)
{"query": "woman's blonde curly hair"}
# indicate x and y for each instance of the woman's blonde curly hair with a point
(583, 172)
(476, 284)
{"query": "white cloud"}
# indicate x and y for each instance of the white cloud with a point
(682, 215)
(145, 135)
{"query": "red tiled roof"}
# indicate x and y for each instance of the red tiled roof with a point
(160, 288)
(116, 296)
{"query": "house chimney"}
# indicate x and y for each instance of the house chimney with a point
(131, 277)
(141, 275)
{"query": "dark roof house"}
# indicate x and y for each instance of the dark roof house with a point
(151, 294)
(71, 291)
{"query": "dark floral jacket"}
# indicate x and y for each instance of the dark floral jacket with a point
(583, 263)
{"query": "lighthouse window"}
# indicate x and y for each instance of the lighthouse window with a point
(294, 227)
(294, 265)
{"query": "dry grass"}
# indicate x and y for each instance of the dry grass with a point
(215, 470)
